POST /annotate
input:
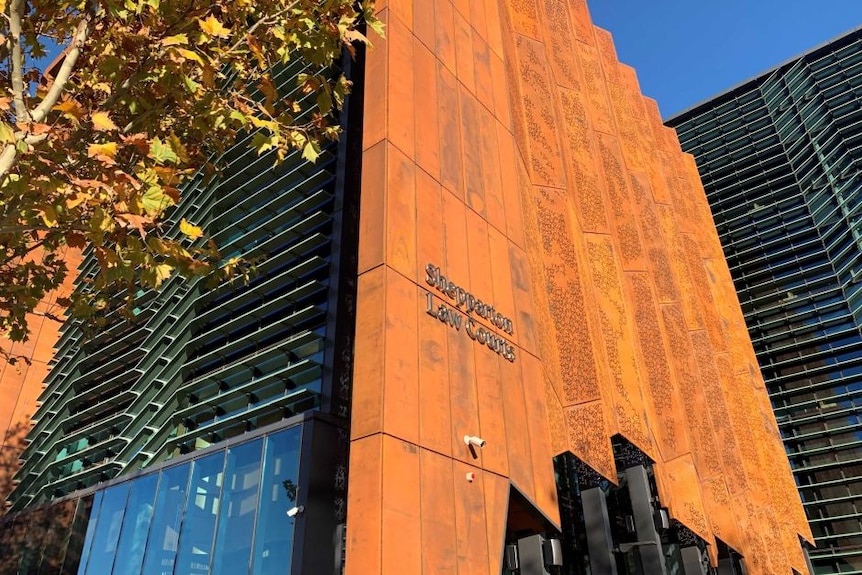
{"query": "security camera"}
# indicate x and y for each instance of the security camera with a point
(473, 440)
(294, 511)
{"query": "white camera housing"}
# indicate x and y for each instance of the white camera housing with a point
(294, 511)
(474, 441)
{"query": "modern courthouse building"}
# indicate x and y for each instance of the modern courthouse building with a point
(780, 158)
(492, 332)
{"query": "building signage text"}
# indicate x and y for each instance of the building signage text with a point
(471, 305)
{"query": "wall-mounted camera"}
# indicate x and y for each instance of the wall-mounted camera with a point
(472, 440)
(294, 511)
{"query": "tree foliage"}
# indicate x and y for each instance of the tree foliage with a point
(146, 93)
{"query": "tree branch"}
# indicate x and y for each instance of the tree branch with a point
(268, 21)
(33, 139)
(59, 83)
(24, 228)
(7, 159)
(10, 152)
(16, 7)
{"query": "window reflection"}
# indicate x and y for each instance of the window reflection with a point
(202, 508)
(91, 531)
(107, 532)
(165, 528)
(75, 543)
(236, 525)
(222, 514)
(60, 518)
(37, 525)
(12, 542)
(273, 544)
(133, 537)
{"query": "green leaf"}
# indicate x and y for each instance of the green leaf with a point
(191, 85)
(324, 101)
(262, 143)
(101, 221)
(155, 200)
(162, 152)
(375, 24)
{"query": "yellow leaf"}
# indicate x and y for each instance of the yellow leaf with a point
(102, 87)
(102, 122)
(7, 135)
(75, 200)
(65, 106)
(160, 273)
(190, 55)
(108, 150)
(212, 27)
(191, 230)
(179, 148)
(174, 40)
(260, 123)
(49, 216)
(70, 107)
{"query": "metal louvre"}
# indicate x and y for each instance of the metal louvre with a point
(199, 364)
(780, 157)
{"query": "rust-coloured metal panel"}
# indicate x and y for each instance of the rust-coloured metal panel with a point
(400, 210)
(371, 235)
(366, 506)
(471, 525)
(21, 382)
(425, 110)
(437, 510)
(538, 267)
(496, 504)
(400, 129)
(402, 529)
(368, 372)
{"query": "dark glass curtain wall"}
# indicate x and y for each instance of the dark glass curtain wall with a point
(223, 514)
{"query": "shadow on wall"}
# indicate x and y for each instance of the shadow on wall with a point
(10, 450)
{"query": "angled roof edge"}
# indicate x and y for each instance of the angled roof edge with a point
(677, 118)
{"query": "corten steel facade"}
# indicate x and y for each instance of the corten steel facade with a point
(520, 325)
(779, 158)
(506, 145)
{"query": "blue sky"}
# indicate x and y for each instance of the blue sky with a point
(686, 51)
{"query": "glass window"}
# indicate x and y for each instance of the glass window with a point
(133, 537)
(75, 542)
(202, 508)
(273, 543)
(38, 523)
(164, 532)
(91, 531)
(57, 533)
(107, 531)
(232, 552)
(12, 542)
